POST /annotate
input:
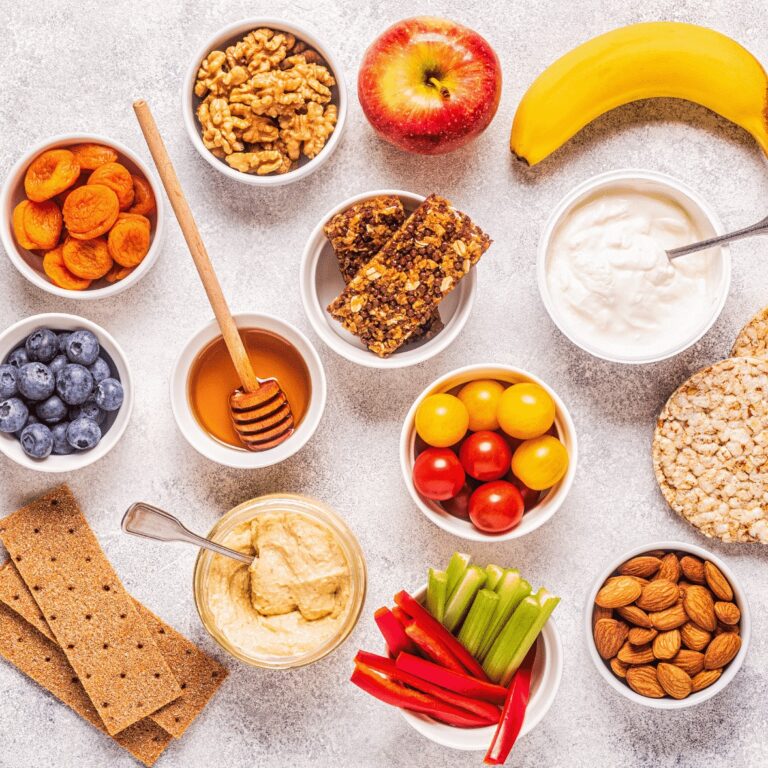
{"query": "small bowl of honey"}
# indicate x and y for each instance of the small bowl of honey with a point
(204, 378)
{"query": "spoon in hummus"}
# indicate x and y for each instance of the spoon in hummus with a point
(761, 228)
(152, 523)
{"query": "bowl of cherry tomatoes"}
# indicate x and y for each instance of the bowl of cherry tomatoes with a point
(488, 452)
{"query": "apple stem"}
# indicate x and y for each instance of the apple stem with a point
(444, 92)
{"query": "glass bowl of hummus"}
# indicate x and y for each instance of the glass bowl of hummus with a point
(302, 595)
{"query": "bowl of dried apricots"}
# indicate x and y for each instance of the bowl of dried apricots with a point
(81, 216)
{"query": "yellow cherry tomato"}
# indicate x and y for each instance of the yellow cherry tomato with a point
(482, 400)
(540, 463)
(441, 420)
(525, 410)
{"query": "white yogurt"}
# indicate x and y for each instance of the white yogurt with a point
(610, 281)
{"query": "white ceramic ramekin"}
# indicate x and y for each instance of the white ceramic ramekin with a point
(229, 36)
(320, 282)
(31, 265)
(216, 451)
(549, 503)
(115, 425)
(702, 213)
(745, 626)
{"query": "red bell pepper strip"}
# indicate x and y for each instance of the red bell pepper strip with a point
(401, 615)
(453, 681)
(393, 632)
(396, 694)
(513, 714)
(389, 668)
(432, 648)
(424, 619)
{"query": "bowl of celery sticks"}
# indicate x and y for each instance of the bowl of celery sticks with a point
(473, 659)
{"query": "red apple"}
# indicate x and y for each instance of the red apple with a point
(429, 85)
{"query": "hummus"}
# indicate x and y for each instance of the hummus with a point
(295, 594)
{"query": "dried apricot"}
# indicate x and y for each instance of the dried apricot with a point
(87, 258)
(82, 179)
(128, 241)
(118, 179)
(117, 273)
(90, 211)
(42, 223)
(91, 156)
(58, 274)
(50, 173)
(144, 197)
(18, 226)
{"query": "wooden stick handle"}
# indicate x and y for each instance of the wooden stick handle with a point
(196, 247)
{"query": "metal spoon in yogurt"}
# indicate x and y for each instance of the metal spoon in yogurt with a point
(761, 228)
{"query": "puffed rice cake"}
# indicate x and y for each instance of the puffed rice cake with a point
(752, 340)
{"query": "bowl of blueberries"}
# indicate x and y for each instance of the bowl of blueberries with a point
(65, 392)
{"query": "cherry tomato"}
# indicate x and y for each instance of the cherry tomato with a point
(541, 462)
(485, 455)
(438, 474)
(458, 505)
(526, 410)
(530, 497)
(496, 507)
(441, 420)
(481, 398)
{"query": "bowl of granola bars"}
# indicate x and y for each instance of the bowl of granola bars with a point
(264, 102)
(387, 277)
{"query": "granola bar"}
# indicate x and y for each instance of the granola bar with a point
(400, 287)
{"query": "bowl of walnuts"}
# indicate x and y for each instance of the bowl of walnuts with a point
(264, 102)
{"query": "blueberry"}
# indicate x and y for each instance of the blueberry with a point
(90, 410)
(62, 338)
(74, 384)
(51, 410)
(36, 382)
(83, 433)
(100, 370)
(58, 363)
(13, 415)
(31, 419)
(60, 445)
(82, 347)
(42, 345)
(109, 394)
(9, 377)
(18, 357)
(36, 441)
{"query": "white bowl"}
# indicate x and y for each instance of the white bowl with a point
(698, 208)
(729, 672)
(31, 265)
(229, 36)
(113, 428)
(320, 282)
(239, 458)
(545, 682)
(547, 505)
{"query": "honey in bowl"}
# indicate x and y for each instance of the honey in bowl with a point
(212, 379)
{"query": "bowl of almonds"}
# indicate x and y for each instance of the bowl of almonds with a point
(668, 625)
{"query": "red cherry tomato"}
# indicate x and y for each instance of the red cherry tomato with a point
(485, 455)
(458, 506)
(530, 497)
(496, 507)
(438, 474)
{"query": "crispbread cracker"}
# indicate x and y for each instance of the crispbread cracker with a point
(752, 340)
(42, 660)
(710, 450)
(92, 617)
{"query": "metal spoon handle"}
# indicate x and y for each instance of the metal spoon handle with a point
(152, 523)
(756, 229)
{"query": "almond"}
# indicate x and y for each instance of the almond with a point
(674, 680)
(643, 566)
(670, 568)
(672, 618)
(618, 667)
(727, 628)
(635, 615)
(667, 644)
(635, 654)
(691, 662)
(700, 607)
(656, 553)
(717, 582)
(643, 680)
(601, 613)
(658, 595)
(693, 637)
(641, 636)
(722, 650)
(705, 679)
(692, 568)
(727, 613)
(618, 591)
(609, 637)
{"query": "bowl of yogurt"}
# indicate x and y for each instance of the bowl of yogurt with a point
(604, 275)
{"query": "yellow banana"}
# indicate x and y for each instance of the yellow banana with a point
(641, 61)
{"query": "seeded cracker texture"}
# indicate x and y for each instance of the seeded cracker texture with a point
(752, 340)
(710, 450)
(403, 284)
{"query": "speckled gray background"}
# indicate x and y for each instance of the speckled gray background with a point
(76, 66)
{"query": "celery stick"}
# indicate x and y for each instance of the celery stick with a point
(478, 618)
(462, 596)
(511, 590)
(437, 593)
(510, 638)
(494, 573)
(457, 567)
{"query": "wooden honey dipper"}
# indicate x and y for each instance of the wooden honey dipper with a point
(260, 411)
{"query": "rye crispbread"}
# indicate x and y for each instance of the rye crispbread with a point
(752, 340)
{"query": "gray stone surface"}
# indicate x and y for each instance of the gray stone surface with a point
(71, 66)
